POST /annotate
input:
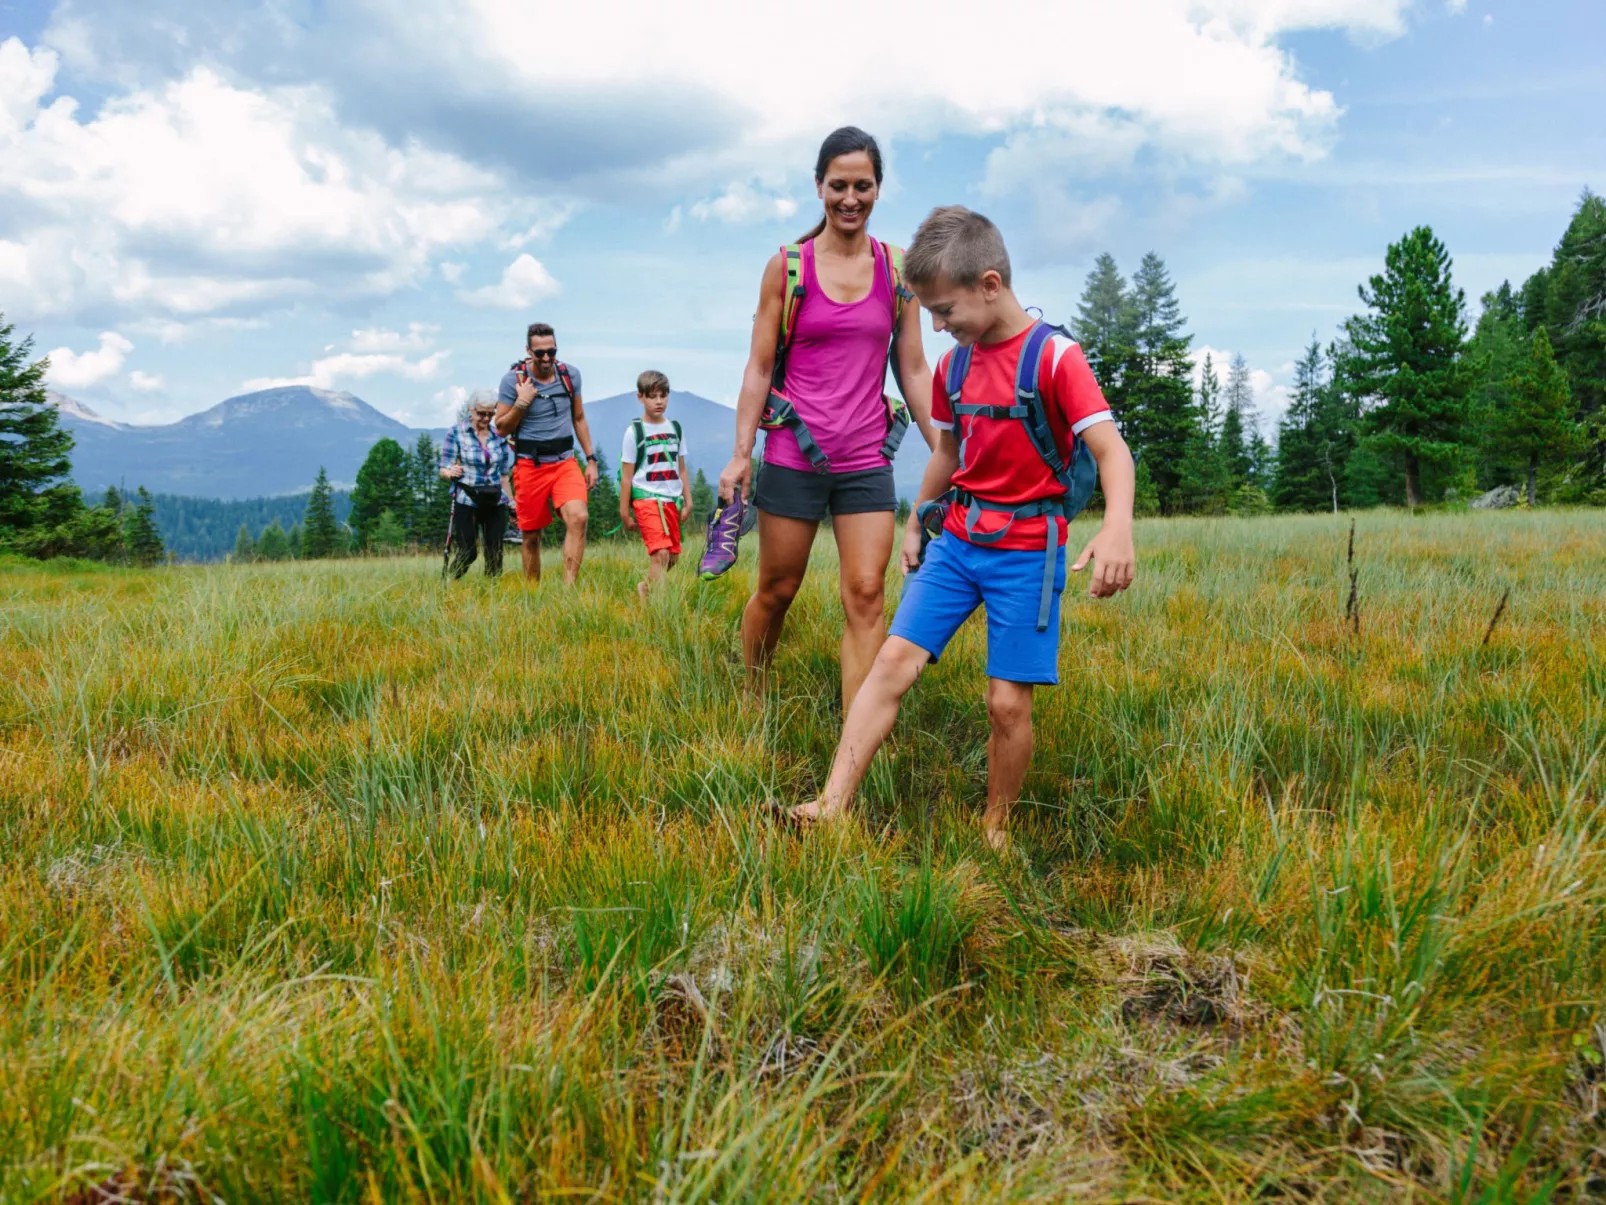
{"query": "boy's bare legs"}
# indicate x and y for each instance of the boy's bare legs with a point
(575, 516)
(783, 558)
(869, 721)
(864, 546)
(1009, 753)
(658, 564)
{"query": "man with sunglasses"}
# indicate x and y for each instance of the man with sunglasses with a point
(539, 406)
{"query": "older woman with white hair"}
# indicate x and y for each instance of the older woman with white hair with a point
(477, 461)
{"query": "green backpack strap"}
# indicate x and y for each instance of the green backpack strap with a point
(791, 302)
(893, 258)
(641, 443)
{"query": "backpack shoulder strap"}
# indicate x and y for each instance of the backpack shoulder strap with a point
(958, 368)
(791, 290)
(1029, 394)
(680, 439)
(568, 381)
(893, 256)
(640, 433)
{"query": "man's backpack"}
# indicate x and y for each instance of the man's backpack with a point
(778, 409)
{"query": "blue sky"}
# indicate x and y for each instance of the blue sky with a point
(376, 196)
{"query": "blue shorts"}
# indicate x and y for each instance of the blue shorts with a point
(957, 577)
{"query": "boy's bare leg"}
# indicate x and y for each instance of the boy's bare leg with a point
(531, 551)
(575, 516)
(1009, 753)
(658, 564)
(869, 721)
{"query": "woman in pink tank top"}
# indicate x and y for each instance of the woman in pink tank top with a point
(835, 378)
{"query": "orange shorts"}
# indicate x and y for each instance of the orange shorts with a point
(659, 523)
(540, 491)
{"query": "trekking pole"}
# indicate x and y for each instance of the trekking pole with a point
(451, 523)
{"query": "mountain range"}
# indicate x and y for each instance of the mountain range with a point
(274, 441)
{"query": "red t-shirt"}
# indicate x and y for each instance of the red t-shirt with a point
(1001, 465)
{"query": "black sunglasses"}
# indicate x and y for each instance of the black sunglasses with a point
(545, 353)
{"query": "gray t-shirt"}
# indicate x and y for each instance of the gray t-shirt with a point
(551, 414)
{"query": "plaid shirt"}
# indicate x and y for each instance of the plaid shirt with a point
(484, 465)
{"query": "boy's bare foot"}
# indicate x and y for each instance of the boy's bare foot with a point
(641, 591)
(995, 828)
(815, 813)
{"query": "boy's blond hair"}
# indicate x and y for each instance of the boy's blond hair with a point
(956, 243)
(650, 382)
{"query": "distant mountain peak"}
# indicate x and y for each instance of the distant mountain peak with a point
(72, 406)
(296, 403)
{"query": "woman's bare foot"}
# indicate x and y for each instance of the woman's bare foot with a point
(816, 813)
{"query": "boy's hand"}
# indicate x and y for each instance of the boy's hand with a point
(628, 518)
(910, 556)
(1113, 559)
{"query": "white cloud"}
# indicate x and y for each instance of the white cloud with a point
(1456, 7)
(452, 273)
(351, 366)
(417, 337)
(524, 282)
(741, 204)
(368, 353)
(74, 370)
(144, 382)
(199, 196)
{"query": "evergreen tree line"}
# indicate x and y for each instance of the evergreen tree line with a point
(42, 513)
(1405, 406)
(401, 502)
(207, 529)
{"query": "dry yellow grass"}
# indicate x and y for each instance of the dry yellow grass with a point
(327, 882)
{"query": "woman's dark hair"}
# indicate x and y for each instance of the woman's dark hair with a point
(845, 141)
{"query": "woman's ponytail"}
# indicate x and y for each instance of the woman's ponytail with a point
(845, 141)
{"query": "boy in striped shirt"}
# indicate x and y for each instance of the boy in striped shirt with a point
(655, 489)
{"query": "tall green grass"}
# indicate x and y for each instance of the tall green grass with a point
(329, 882)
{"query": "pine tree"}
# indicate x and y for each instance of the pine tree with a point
(604, 503)
(1536, 425)
(1158, 397)
(388, 535)
(432, 497)
(1408, 358)
(35, 451)
(1239, 423)
(296, 538)
(383, 484)
(1105, 326)
(245, 548)
(1569, 299)
(1498, 350)
(702, 499)
(273, 544)
(1313, 441)
(321, 536)
(112, 500)
(140, 534)
(1205, 484)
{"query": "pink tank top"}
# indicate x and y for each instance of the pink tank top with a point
(835, 374)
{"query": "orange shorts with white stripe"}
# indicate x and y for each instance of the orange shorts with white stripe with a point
(659, 523)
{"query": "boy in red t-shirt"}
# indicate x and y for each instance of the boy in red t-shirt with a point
(995, 535)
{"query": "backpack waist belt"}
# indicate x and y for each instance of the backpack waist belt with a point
(545, 451)
(779, 412)
(932, 516)
(483, 495)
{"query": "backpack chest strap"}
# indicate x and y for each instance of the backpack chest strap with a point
(981, 411)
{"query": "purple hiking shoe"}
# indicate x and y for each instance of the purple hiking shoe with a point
(727, 524)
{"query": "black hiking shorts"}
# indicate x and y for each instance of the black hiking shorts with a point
(792, 494)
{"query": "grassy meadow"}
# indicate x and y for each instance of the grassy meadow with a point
(328, 882)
